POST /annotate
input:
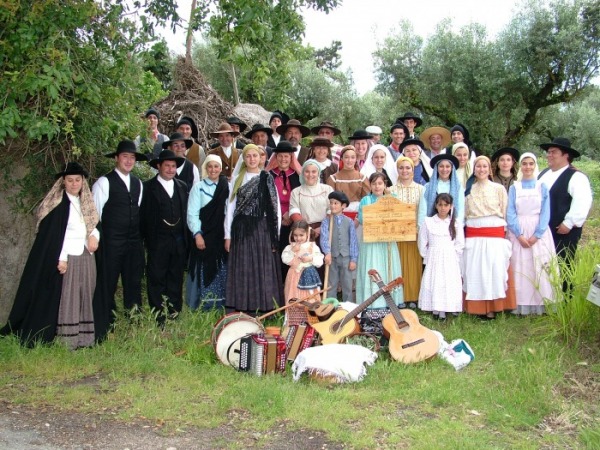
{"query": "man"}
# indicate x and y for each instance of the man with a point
(277, 119)
(259, 135)
(411, 121)
(229, 155)
(186, 172)
(238, 126)
(151, 143)
(375, 132)
(188, 128)
(163, 215)
(293, 132)
(117, 196)
(398, 133)
(436, 139)
(570, 196)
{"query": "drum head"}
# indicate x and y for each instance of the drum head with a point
(227, 344)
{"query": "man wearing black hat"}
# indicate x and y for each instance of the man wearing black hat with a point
(293, 132)
(186, 171)
(163, 215)
(195, 153)
(277, 118)
(259, 135)
(411, 121)
(118, 196)
(151, 144)
(570, 196)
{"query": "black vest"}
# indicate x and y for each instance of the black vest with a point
(170, 213)
(187, 175)
(121, 213)
(560, 199)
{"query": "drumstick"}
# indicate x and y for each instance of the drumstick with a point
(326, 280)
(297, 303)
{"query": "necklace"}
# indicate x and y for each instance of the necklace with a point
(78, 211)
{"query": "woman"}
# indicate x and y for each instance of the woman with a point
(443, 181)
(207, 271)
(251, 237)
(505, 167)
(361, 141)
(487, 253)
(350, 181)
(380, 160)
(283, 167)
(533, 250)
(54, 298)
(407, 191)
(321, 153)
(381, 256)
(310, 201)
(465, 170)
(413, 149)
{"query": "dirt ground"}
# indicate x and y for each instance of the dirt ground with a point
(24, 428)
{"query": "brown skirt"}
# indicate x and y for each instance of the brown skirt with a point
(483, 307)
(412, 270)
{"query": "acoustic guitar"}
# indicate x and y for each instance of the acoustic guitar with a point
(342, 324)
(410, 342)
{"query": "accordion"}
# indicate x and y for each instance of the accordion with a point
(262, 353)
(299, 337)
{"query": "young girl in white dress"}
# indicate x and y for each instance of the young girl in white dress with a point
(441, 242)
(303, 257)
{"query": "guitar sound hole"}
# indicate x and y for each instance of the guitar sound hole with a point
(335, 327)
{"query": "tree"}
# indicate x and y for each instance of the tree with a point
(547, 55)
(329, 58)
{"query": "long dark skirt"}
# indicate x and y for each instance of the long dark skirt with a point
(254, 272)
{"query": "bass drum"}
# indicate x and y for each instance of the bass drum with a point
(227, 335)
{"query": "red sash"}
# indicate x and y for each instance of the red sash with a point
(497, 232)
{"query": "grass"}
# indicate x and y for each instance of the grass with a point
(518, 393)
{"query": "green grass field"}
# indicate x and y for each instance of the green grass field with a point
(535, 382)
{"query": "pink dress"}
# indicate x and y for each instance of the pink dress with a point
(292, 259)
(533, 266)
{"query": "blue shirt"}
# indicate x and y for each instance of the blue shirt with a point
(200, 195)
(512, 218)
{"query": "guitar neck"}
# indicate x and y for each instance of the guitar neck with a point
(383, 289)
(391, 304)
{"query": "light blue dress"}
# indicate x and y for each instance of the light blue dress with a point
(381, 256)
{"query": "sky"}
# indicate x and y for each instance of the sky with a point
(361, 24)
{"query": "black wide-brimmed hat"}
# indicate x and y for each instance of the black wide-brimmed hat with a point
(177, 137)
(506, 151)
(233, 120)
(281, 129)
(167, 155)
(437, 158)
(563, 144)
(321, 142)
(409, 115)
(282, 116)
(72, 168)
(127, 146)
(284, 147)
(360, 135)
(399, 125)
(259, 127)
(408, 142)
(339, 196)
(332, 127)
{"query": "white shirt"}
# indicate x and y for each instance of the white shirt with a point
(194, 170)
(297, 152)
(227, 151)
(101, 190)
(168, 185)
(76, 233)
(579, 189)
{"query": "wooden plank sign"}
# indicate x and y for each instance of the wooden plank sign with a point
(389, 220)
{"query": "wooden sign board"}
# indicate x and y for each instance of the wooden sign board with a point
(389, 220)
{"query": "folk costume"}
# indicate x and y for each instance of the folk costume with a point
(207, 271)
(352, 183)
(252, 224)
(121, 254)
(302, 153)
(151, 144)
(528, 215)
(229, 155)
(195, 153)
(49, 304)
(389, 168)
(302, 279)
(508, 181)
(327, 166)
(163, 214)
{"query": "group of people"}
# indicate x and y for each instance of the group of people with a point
(256, 224)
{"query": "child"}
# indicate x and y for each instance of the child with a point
(441, 242)
(381, 256)
(303, 257)
(340, 246)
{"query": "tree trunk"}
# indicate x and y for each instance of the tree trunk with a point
(188, 42)
(236, 94)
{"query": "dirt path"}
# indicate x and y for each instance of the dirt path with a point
(23, 428)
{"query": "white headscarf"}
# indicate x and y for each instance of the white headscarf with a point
(536, 171)
(390, 166)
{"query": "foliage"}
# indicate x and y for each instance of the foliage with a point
(158, 60)
(70, 88)
(521, 391)
(329, 58)
(218, 76)
(547, 55)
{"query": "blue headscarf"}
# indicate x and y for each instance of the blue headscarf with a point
(431, 188)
